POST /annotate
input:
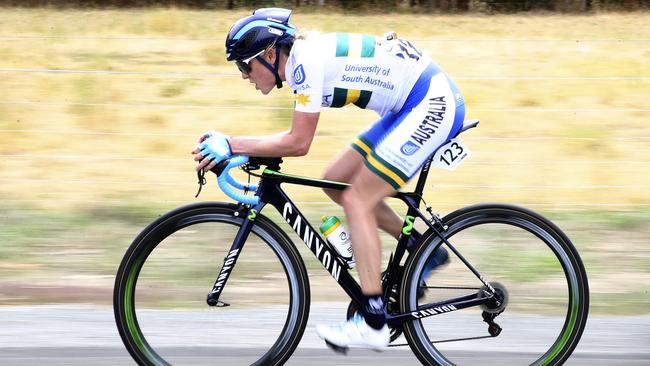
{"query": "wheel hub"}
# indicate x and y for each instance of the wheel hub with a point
(499, 300)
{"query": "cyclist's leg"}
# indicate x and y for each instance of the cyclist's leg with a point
(367, 190)
(341, 170)
(433, 112)
(428, 118)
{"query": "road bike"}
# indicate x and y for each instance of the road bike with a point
(221, 283)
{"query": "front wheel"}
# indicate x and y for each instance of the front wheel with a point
(528, 261)
(164, 278)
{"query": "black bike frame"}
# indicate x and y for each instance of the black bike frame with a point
(270, 192)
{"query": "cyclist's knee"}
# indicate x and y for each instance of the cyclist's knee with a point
(352, 198)
(365, 192)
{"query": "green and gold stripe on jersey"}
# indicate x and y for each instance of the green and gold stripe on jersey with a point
(362, 145)
(343, 97)
(379, 166)
(386, 171)
(355, 45)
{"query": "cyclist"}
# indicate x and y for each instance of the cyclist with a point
(419, 108)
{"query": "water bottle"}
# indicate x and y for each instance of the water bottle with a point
(338, 236)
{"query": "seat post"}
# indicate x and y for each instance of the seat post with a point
(424, 172)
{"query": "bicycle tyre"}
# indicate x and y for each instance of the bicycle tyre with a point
(477, 217)
(135, 258)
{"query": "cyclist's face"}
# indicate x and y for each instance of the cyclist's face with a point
(259, 74)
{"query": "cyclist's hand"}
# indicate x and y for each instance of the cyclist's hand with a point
(212, 148)
(209, 134)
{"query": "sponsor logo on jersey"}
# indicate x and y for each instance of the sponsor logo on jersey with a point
(303, 87)
(299, 74)
(385, 84)
(431, 122)
(409, 148)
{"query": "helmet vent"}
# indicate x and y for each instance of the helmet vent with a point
(248, 40)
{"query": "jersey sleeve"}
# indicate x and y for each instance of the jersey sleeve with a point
(307, 80)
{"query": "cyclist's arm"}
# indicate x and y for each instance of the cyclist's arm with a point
(295, 142)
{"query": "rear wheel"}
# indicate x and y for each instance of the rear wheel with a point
(530, 264)
(167, 272)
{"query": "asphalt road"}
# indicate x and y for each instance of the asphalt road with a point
(317, 357)
(86, 335)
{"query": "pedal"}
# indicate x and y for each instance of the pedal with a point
(337, 349)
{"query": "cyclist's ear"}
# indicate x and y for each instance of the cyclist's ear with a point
(270, 54)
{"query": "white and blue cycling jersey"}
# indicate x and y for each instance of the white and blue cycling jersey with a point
(419, 105)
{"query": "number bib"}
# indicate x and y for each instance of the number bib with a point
(450, 155)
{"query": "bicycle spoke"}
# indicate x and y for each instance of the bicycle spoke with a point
(536, 300)
(166, 317)
(451, 287)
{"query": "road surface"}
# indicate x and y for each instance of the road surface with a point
(83, 335)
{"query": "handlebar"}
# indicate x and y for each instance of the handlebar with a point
(228, 183)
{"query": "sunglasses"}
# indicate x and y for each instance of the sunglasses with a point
(244, 65)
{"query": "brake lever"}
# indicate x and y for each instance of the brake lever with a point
(200, 174)
(217, 169)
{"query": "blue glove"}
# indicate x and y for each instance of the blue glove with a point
(215, 147)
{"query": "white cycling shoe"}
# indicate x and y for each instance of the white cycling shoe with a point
(354, 333)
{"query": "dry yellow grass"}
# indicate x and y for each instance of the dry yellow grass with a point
(71, 141)
(94, 137)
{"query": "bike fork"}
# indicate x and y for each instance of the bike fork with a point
(231, 257)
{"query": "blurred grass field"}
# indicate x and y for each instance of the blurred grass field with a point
(99, 110)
